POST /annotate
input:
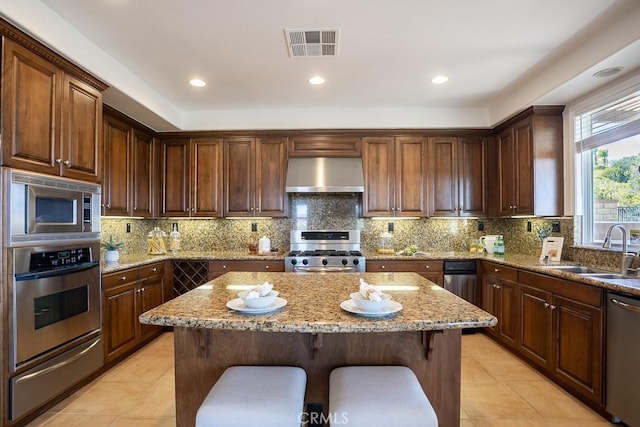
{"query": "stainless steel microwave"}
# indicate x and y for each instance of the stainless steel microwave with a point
(42, 207)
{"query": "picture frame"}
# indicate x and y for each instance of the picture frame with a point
(552, 246)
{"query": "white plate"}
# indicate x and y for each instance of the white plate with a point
(351, 307)
(238, 305)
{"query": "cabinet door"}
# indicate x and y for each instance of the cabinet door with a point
(536, 338)
(120, 319)
(239, 176)
(472, 176)
(30, 109)
(508, 322)
(142, 174)
(506, 176)
(443, 172)
(489, 291)
(410, 177)
(523, 166)
(175, 182)
(117, 155)
(379, 177)
(578, 347)
(206, 177)
(271, 163)
(80, 146)
(150, 290)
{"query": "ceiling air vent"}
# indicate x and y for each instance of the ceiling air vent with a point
(312, 42)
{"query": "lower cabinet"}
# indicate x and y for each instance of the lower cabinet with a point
(218, 268)
(431, 270)
(555, 324)
(126, 295)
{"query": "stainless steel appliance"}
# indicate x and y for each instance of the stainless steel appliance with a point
(50, 208)
(623, 363)
(325, 251)
(54, 319)
(325, 175)
(460, 279)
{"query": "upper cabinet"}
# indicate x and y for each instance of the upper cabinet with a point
(127, 183)
(529, 164)
(192, 180)
(457, 176)
(254, 177)
(52, 120)
(394, 176)
(325, 146)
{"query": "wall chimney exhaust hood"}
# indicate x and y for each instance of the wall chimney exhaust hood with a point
(325, 175)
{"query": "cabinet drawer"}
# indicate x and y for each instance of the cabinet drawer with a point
(499, 270)
(576, 291)
(119, 278)
(245, 265)
(410, 266)
(152, 270)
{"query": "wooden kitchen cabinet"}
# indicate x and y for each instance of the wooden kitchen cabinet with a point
(500, 297)
(52, 120)
(394, 176)
(192, 177)
(457, 176)
(126, 295)
(127, 183)
(562, 332)
(429, 269)
(528, 155)
(254, 177)
(218, 268)
(324, 146)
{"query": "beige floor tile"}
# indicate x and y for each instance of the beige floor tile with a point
(467, 423)
(140, 369)
(159, 402)
(494, 401)
(108, 398)
(474, 372)
(510, 369)
(79, 420)
(552, 402)
(129, 421)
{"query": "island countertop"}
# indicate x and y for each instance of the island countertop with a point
(313, 305)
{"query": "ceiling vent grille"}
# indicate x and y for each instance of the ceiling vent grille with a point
(302, 43)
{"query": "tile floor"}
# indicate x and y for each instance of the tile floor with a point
(497, 390)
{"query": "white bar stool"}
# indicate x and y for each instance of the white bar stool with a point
(255, 396)
(378, 396)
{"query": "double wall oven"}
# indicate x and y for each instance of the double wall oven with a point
(52, 246)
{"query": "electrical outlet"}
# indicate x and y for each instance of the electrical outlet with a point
(480, 226)
(128, 227)
(390, 227)
(555, 226)
(529, 226)
(254, 227)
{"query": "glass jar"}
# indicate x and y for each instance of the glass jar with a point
(385, 243)
(155, 242)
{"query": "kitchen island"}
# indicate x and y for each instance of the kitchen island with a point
(313, 332)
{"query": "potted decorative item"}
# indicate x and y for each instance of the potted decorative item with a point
(111, 253)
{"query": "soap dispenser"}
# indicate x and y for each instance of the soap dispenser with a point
(264, 245)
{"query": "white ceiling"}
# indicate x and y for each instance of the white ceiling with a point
(500, 55)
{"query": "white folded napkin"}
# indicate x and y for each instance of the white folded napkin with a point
(370, 292)
(259, 290)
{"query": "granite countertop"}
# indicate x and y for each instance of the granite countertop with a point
(313, 305)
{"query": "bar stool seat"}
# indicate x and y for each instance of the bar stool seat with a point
(378, 396)
(255, 396)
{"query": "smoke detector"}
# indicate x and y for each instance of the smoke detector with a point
(312, 42)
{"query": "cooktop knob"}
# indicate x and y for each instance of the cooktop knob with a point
(325, 261)
(294, 261)
(344, 261)
(305, 261)
(356, 261)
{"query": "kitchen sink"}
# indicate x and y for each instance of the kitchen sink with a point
(578, 269)
(607, 276)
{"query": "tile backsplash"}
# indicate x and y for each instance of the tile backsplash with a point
(335, 211)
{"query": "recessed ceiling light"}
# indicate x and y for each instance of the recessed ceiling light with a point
(608, 72)
(439, 79)
(316, 80)
(197, 82)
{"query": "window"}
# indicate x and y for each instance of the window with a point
(607, 142)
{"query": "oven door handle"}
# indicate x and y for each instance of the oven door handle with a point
(323, 269)
(57, 365)
(57, 272)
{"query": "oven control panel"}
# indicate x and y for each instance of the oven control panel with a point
(42, 261)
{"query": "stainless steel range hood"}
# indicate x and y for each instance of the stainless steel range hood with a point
(325, 175)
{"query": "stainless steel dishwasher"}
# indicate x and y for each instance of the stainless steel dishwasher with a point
(623, 357)
(460, 279)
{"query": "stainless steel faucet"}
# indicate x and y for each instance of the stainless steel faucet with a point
(627, 258)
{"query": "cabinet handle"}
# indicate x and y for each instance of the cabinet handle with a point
(383, 267)
(154, 269)
(66, 162)
(496, 286)
(496, 270)
(58, 161)
(224, 267)
(123, 278)
(546, 304)
(266, 266)
(135, 208)
(427, 267)
(553, 307)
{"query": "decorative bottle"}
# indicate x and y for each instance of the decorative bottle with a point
(174, 239)
(498, 246)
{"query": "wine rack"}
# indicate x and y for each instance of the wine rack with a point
(188, 275)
